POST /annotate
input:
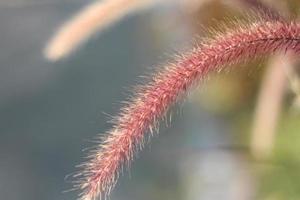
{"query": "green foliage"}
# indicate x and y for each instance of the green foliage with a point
(280, 178)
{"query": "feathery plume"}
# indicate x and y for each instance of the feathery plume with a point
(153, 100)
(96, 16)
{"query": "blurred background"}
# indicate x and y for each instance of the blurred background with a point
(51, 111)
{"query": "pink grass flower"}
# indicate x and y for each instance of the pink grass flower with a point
(152, 101)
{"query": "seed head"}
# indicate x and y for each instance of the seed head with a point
(152, 100)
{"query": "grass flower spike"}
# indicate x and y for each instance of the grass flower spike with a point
(94, 17)
(152, 101)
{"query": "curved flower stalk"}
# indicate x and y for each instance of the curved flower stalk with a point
(152, 101)
(100, 14)
(268, 110)
(94, 17)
